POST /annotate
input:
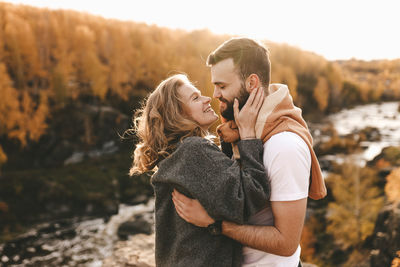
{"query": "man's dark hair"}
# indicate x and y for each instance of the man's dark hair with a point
(249, 56)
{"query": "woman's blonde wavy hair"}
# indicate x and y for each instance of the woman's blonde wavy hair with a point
(161, 124)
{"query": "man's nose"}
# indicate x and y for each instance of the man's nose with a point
(217, 92)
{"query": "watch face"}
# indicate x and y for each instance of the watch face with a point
(214, 229)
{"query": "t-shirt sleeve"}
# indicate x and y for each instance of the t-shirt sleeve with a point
(288, 162)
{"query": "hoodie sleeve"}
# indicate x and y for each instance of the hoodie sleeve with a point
(227, 189)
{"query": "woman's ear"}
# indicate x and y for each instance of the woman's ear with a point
(252, 82)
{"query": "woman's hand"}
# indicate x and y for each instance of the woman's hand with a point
(191, 210)
(246, 118)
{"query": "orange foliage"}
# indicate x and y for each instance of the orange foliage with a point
(382, 163)
(3, 207)
(396, 260)
(286, 75)
(352, 216)
(30, 118)
(392, 187)
(307, 244)
(3, 156)
(321, 93)
(9, 104)
(376, 79)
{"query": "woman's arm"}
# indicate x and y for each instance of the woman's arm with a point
(225, 189)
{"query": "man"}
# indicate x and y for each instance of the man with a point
(272, 236)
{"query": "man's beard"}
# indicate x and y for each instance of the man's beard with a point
(242, 98)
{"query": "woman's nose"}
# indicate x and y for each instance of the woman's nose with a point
(207, 99)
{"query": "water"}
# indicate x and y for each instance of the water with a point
(69, 242)
(385, 117)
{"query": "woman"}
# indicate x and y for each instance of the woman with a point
(173, 140)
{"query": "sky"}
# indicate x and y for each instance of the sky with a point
(339, 29)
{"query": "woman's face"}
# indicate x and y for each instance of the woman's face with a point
(197, 106)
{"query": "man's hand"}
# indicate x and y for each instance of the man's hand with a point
(191, 210)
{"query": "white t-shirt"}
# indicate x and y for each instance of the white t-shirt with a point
(287, 161)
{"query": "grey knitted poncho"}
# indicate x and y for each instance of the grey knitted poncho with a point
(227, 189)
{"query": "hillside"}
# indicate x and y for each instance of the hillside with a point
(49, 59)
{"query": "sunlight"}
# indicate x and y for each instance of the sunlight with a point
(334, 29)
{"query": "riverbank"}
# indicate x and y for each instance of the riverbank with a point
(92, 188)
(138, 251)
(76, 242)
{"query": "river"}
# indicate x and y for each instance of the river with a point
(71, 242)
(385, 117)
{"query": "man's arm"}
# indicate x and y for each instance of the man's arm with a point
(280, 239)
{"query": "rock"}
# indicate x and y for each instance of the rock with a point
(75, 132)
(369, 134)
(137, 251)
(111, 207)
(140, 199)
(4, 259)
(138, 225)
(330, 142)
(389, 157)
(75, 158)
(386, 237)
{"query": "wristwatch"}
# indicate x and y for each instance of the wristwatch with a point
(215, 228)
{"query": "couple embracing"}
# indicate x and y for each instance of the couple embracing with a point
(242, 203)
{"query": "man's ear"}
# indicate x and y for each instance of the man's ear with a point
(252, 82)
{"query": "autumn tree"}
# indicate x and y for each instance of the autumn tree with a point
(90, 72)
(3, 157)
(357, 202)
(335, 79)
(285, 75)
(9, 105)
(22, 51)
(62, 78)
(308, 241)
(396, 260)
(114, 50)
(321, 93)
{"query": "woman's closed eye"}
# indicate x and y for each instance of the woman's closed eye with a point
(196, 96)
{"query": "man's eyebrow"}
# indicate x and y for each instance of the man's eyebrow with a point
(218, 83)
